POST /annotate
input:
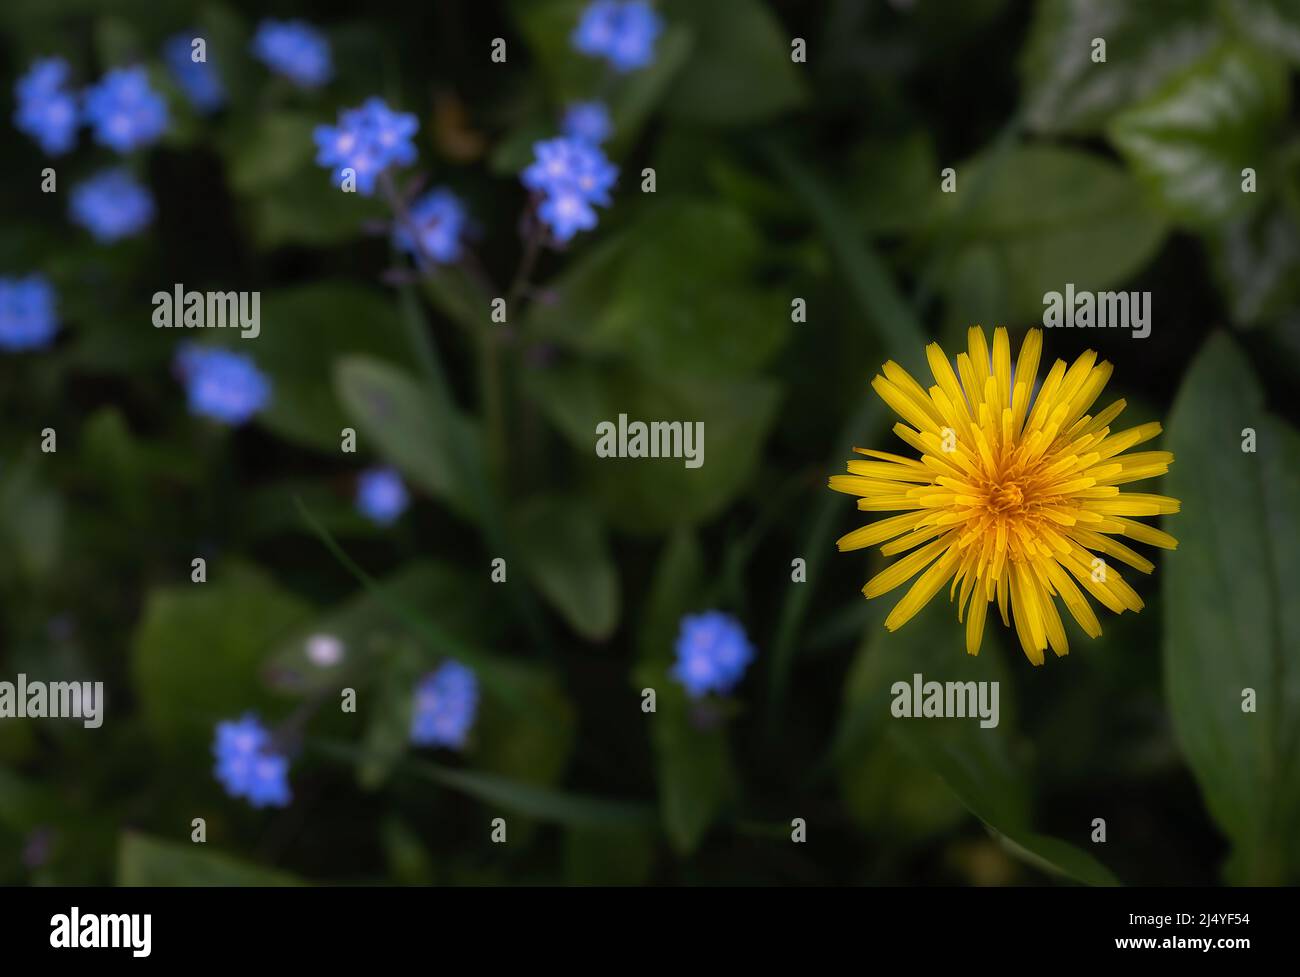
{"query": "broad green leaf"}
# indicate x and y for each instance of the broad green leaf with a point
(739, 72)
(400, 420)
(1271, 23)
(388, 722)
(198, 651)
(894, 183)
(678, 582)
(275, 148)
(1190, 141)
(270, 165)
(678, 293)
(1232, 625)
(1065, 91)
(692, 758)
(1051, 216)
(143, 860)
(649, 495)
(547, 26)
(532, 744)
(1257, 263)
(304, 329)
(563, 548)
(31, 520)
(975, 762)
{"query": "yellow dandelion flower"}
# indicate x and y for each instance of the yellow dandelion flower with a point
(1015, 498)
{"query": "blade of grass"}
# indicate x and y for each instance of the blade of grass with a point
(880, 301)
(542, 803)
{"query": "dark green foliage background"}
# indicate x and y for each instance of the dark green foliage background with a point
(775, 180)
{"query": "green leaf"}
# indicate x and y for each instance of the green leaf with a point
(564, 550)
(31, 520)
(692, 759)
(291, 200)
(542, 803)
(1231, 623)
(143, 860)
(1257, 263)
(199, 647)
(393, 413)
(367, 625)
(739, 72)
(1051, 216)
(304, 330)
(869, 279)
(975, 763)
(1066, 92)
(649, 495)
(1271, 23)
(676, 294)
(1190, 141)
(388, 726)
(531, 745)
(893, 183)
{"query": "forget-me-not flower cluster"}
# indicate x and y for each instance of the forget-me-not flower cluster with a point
(199, 80)
(367, 140)
(446, 702)
(437, 221)
(248, 766)
(124, 112)
(588, 121)
(623, 32)
(112, 205)
(572, 175)
(221, 384)
(47, 110)
(294, 49)
(28, 319)
(712, 653)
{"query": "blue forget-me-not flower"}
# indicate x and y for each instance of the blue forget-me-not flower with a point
(623, 32)
(123, 112)
(712, 653)
(571, 175)
(295, 49)
(446, 702)
(248, 766)
(46, 110)
(28, 319)
(367, 140)
(197, 79)
(112, 205)
(381, 495)
(221, 384)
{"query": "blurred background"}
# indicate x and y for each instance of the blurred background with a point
(775, 180)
